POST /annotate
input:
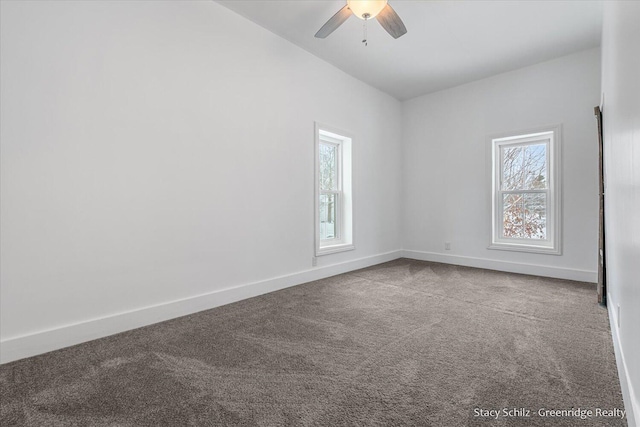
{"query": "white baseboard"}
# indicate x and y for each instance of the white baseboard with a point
(53, 339)
(631, 403)
(512, 267)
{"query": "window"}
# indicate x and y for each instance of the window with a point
(334, 201)
(526, 192)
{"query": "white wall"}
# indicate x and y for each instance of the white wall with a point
(621, 113)
(446, 168)
(158, 151)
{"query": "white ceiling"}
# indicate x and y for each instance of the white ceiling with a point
(448, 42)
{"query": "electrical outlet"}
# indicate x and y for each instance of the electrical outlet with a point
(618, 319)
(314, 261)
(447, 246)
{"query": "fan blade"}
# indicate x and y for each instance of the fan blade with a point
(332, 24)
(391, 22)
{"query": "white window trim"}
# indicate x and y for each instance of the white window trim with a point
(553, 244)
(344, 214)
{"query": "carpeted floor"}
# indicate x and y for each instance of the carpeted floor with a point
(405, 343)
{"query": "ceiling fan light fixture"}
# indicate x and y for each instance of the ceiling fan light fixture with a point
(366, 9)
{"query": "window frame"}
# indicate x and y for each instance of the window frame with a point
(338, 193)
(343, 240)
(551, 136)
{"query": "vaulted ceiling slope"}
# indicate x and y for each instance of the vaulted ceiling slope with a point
(448, 42)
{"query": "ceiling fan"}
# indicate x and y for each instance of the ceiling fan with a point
(366, 9)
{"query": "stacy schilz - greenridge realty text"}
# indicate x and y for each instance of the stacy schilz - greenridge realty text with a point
(581, 413)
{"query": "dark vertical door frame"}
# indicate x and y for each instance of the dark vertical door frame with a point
(602, 277)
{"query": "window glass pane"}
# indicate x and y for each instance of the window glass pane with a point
(524, 167)
(328, 167)
(328, 210)
(534, 167)
(512, 216)
(512, 168)
(535, 211)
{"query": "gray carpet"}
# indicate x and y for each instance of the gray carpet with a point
(405, 343)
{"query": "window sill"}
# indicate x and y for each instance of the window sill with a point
(332, 249)
(516, 247)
